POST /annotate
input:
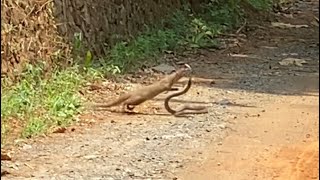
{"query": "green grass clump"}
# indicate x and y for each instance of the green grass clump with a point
(40, 102)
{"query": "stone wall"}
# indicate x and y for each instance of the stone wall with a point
(33, 30)
(103, 23)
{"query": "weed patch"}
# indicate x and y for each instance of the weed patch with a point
(43, 103)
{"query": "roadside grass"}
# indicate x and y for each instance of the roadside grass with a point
(42, 103)
(39, 104)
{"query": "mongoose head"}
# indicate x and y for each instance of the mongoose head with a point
(188, 67)
(181, 72)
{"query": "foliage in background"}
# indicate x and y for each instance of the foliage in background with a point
(182, 30)
(41, 103)
(262, 5)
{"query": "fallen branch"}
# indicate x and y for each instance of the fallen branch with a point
(241, 28)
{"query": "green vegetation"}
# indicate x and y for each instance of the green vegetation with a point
(182, 30)
(40, 103)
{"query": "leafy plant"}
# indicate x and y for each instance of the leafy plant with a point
(43, 103)
(34, 126)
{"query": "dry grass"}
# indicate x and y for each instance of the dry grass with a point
(28, 34)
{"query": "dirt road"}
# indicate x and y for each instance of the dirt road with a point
(263, 119)
(278, 142)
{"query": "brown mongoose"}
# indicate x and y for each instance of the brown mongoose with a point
(140, 95)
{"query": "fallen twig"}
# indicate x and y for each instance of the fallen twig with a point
(241, 28)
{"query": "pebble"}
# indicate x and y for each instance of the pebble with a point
(26, 147)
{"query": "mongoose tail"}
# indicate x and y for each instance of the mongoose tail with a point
(115, 102)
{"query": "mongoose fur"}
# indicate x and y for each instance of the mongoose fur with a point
(140, 95)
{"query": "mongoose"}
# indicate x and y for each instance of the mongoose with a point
(181, 109)
(140, 95)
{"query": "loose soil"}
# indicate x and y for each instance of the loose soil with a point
(263, 119)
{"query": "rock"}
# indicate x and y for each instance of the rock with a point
(90, 157)
(221, 126)
(224, 102)
(164, 68)
(292, 61)
(26, 147)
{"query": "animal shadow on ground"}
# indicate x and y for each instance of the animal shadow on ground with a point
(186, 114)
(140, 113)
(199, 102)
